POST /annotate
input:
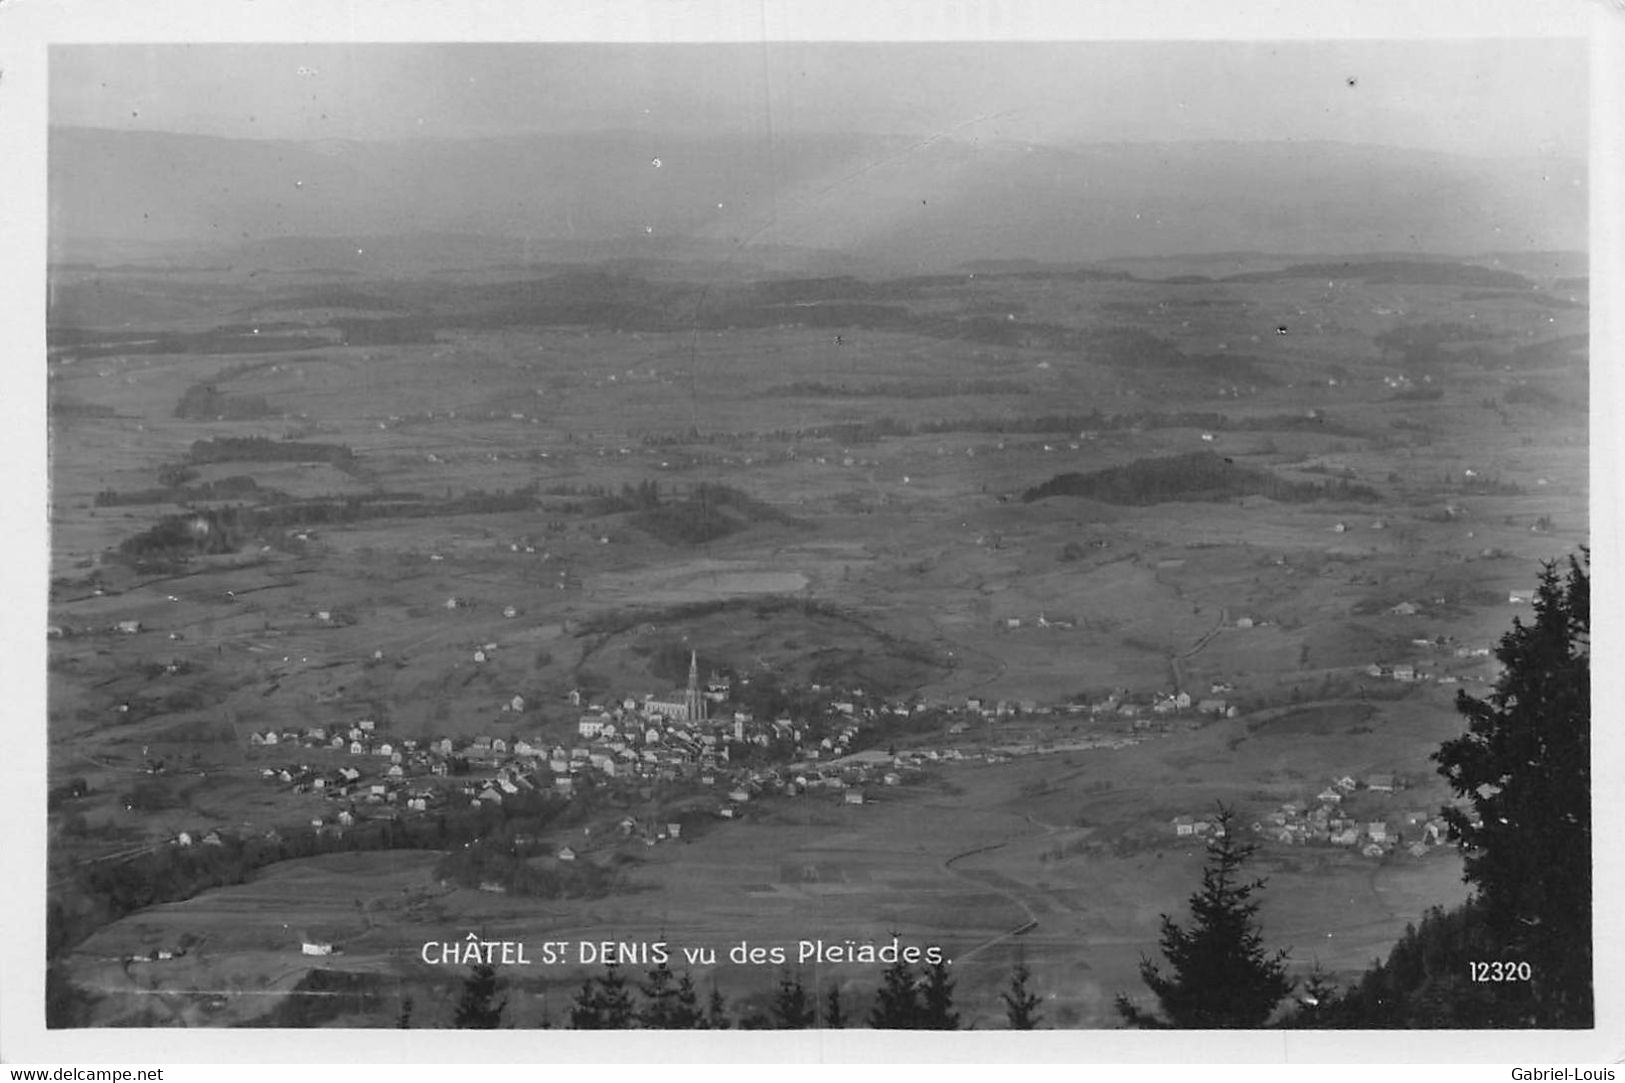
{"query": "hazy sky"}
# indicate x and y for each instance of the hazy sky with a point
(1484, 97)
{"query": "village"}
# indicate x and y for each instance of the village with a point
(695, 744)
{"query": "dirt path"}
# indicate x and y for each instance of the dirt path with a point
(1005, 887)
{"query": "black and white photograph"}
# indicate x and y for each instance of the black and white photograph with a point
(970, 529)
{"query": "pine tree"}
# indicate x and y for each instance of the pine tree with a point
(1220, 974)
(834, 1014)
(686, 1014)
(604, 1004)
(1317, 1003)
(937, 999)
(716, 1011)
(793, 1009)
(1523, 768)
(614, 1001)
(479, 1009)
(659, 998)
(584, 1011)
(897, 1003)
(1020, 1006)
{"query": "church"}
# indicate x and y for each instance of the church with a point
(689, 705)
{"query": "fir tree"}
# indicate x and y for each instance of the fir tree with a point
(585, 1013)
(614, 1001)
(716, 1011)
(604, 1004)
(1523, 769)
(479, 1009)
(834, 1014)
(793, 1009)
(687, 1015)
(897, 1003)
(1020, 1006)
(659, 999)
(1220, 974)
(937, 999)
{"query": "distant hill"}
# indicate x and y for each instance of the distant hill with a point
(802, 202)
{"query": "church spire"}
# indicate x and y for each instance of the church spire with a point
(696, 703)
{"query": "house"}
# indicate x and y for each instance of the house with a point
(1377, 830)
(128, 627)
(1405, 609)
(1417, 849)
(1382, 783)
(1348, 836)
(675, 830)
(315, 947)
(852, 797)
(1184, 825)
(1372, 850)
(1213, 706)
(1346, 783)
(566, 854)
(1404, 673)
(1330, 795)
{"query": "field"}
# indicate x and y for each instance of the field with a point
(1041, 488)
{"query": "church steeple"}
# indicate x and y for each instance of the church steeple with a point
(692, 699)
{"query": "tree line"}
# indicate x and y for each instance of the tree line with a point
(905, 999)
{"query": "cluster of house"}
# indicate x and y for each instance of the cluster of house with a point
(632, 741)
(688, 735)
(1324, 821)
